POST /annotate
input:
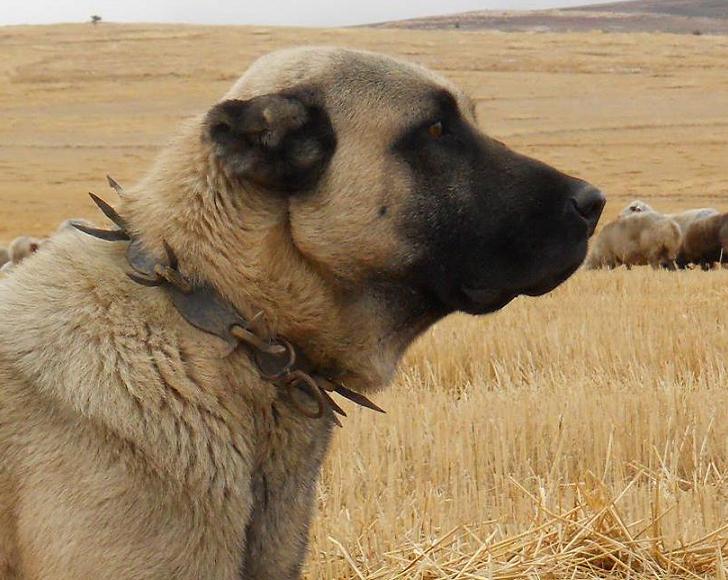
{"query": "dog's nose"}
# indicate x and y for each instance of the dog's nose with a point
(589, 202)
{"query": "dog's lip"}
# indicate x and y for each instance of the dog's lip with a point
(553, 281)
(486, 300)
(483, 299)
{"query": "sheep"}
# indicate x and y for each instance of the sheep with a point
(705, 242)
(683, 219)
(22, 247)
(635, 206)
(638, 239)
(686, 218)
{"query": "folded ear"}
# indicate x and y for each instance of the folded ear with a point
(276, 141)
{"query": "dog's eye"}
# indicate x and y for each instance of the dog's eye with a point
(436, 130)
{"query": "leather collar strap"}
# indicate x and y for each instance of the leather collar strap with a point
(277, 360)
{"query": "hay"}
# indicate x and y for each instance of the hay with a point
(588, 540)
(615, 373)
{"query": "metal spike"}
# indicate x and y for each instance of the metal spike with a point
(115, 186)
(171, 256)
(143, 280)
(248, 337)
(108, 235)
(109, 211)
(358, 398)
(334, 406)
(174, 278)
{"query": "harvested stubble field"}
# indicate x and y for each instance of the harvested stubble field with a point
(579, 435)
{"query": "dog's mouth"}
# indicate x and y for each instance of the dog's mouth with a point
(484, 300)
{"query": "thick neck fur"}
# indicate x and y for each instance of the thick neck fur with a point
(238, 240)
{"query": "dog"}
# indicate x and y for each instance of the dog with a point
(337, 201)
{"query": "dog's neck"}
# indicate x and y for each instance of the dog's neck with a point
(239, 242)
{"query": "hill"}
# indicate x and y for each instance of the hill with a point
(668, 16)
(687, 8)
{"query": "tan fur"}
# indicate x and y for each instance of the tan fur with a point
(637, 239)
(706, 239)
(130, 446)
(4, 256)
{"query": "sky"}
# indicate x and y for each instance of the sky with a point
(272, 12)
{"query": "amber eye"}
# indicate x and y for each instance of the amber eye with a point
(435, 130)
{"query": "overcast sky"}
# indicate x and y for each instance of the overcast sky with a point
(282, 12)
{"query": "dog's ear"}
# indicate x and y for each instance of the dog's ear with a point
(279, 142)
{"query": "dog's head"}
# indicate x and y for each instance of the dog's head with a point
(384, 190)
(387, 178)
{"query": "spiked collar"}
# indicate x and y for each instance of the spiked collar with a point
(276, 359)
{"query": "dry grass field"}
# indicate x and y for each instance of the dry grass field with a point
(579, 435)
